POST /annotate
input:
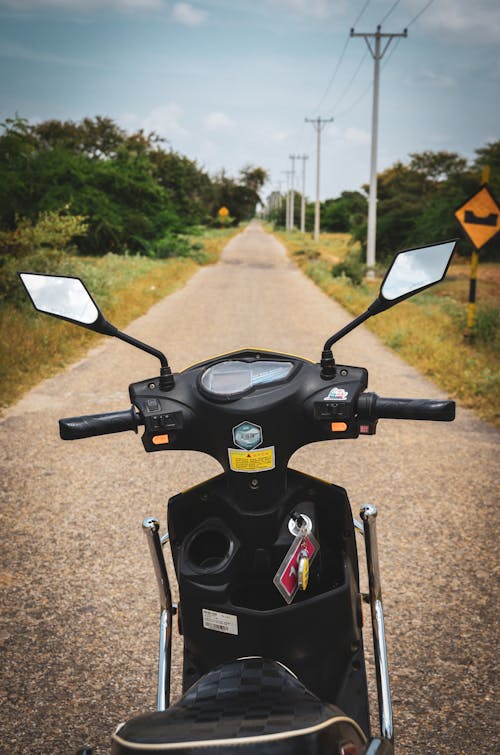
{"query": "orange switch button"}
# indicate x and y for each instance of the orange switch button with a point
(339, 427)
(160, 440)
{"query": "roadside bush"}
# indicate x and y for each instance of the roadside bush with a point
(487, 326)
(41, 246)
(351, 267)
(172, 245)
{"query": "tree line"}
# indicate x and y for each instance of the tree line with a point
(102, 189)
(416, 202)
(131, 193)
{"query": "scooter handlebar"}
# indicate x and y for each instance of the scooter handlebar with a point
(372, 407)
(74, 428)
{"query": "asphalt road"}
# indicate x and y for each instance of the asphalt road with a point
(79, 603)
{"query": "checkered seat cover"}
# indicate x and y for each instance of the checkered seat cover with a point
(249, 706)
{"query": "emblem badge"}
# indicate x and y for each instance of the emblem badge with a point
(248, 436)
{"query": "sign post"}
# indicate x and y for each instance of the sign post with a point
(479, 217)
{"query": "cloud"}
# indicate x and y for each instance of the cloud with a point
(218, 121)
(462, 20)
(278, 136)
(315, 8)
(186, 14)
(355, 135)
(83, 5)
(11, 49)
(433, 78)
(165, 120)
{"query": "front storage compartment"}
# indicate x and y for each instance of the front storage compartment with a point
(226, 560)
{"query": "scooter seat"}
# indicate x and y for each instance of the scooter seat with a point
(248, 706)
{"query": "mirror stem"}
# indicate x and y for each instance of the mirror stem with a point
(166, 377)
(328, 370)
(347, 329)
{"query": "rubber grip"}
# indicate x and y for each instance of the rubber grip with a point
(75, 428)
(371, 406)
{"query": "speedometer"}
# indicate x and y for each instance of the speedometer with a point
(234, 378)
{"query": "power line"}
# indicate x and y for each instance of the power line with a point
(353, 104)
(330, 83)
(341, 58)
(388, 13)
(420, 13)
(365, 6)
(351, 82)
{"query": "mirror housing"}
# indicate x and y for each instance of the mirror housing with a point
(409, 273)
(68, 299)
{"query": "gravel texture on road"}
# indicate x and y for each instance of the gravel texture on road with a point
(79, 602)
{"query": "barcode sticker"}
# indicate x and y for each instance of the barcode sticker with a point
(220, 622)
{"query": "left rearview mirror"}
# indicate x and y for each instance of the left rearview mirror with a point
(61, 296)
(67, 298)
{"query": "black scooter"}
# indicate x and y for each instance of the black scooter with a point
(270, 608)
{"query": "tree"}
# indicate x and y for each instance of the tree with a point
(438, 166)
(490, 155)
(253, 178)
(240, 197)
(187, 186)
(342, 214)
(17, 154)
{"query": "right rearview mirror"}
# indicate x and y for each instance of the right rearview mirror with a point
(416, 269)
(410, 272)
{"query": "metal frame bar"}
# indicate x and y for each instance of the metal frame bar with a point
(151, 528)
(368, 514)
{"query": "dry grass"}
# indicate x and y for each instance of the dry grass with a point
(34, 347)
(427, 331)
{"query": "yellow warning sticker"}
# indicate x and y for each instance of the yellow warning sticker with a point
(251, 461)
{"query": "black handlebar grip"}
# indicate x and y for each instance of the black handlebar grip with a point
(371, 406)
(74, 428)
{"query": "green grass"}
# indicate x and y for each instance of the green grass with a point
(427, 331)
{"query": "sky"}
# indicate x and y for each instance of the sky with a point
(229, 83)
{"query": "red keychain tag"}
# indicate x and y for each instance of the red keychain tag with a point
(286, 578)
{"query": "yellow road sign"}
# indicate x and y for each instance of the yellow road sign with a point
(223, 212)
(479, 216)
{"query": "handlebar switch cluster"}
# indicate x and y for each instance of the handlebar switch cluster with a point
(163, 422)
(332, 410)
(161, 430)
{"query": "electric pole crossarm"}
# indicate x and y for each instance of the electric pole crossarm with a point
(377, 53)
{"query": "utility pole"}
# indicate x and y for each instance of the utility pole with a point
(318, 124)
(292, 193)
(377, 53)
(303, 203)
(288, 174)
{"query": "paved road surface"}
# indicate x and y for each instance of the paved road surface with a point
(79, 638)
